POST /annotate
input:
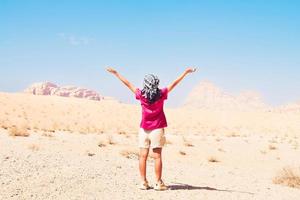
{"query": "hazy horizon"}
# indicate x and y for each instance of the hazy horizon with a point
(249, 45)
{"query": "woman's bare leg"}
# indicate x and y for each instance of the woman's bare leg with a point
(143, 162)
(158, 163)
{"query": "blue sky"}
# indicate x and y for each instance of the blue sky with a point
(238, 45)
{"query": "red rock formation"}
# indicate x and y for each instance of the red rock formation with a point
(47, 88)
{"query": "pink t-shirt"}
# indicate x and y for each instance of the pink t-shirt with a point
(153, 116)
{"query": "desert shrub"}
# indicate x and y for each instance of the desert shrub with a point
(18, 131)
(289, 177)
(130, 154)
(272, 147)
(186, 142)
(212, 159)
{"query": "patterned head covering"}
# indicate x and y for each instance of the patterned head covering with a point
(150, 88)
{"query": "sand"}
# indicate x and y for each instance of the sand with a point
(82, 149)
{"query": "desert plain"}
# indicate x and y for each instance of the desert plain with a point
(218, 147)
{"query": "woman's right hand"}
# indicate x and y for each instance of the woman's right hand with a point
(111, 70)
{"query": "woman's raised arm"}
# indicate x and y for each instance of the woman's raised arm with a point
(180, 78)
(121, 78)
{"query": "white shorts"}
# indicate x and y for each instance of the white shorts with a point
(152, 138)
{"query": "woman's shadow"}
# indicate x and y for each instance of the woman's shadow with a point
(181, 186)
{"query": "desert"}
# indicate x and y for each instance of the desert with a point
(219, 146)
(149, 100)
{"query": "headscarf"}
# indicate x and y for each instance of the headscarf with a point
(150, 88)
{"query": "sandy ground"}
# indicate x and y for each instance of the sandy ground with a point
(50, 113)
(81, 149)
(65, 165)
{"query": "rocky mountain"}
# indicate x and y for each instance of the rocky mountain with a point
(291, 107)
(209, 96)
(48, 88)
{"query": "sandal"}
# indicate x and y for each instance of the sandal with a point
(144, 186)
(160, 186)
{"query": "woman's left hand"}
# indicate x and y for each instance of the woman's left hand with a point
(190, 70)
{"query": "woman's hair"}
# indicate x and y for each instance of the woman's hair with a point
(150, 88)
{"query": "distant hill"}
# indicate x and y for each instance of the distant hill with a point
(292, 107)
(208, 96)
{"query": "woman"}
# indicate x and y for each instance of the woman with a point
(151, 133)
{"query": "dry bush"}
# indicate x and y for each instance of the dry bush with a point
(90, 154)
(110, 140)
(83, 130)
(4, 126)
(186, 142)
(289, 177)
(47, 134)
(130, 154)
(51, 130)
(67, 129)
(212, 159)
(182, 153)
(99, 131)
(272, 147)
(122, 133)
(221, 150)
(101, 144)
(18, 131)
(33, 147)
(233, 134)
